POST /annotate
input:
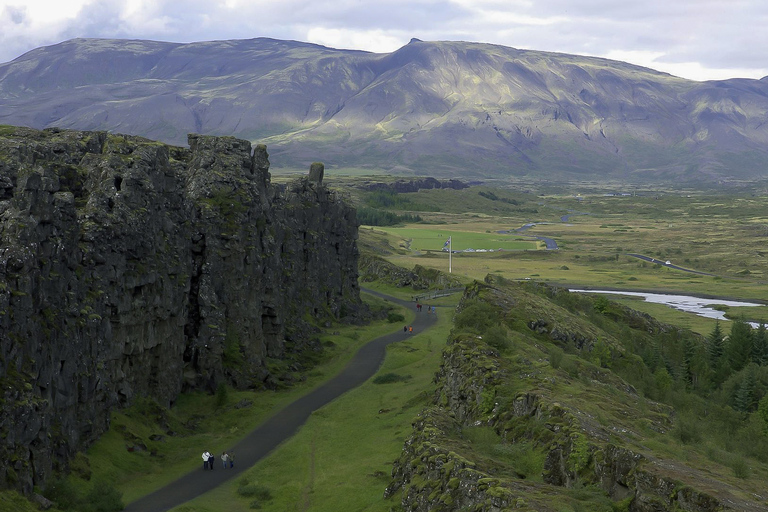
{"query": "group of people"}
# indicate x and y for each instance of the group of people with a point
(227, 460)
(408, 329)
(430, 309)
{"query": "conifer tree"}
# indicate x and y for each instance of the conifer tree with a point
(739, 347)
(745, 394)
(715, 345)
(760, 345)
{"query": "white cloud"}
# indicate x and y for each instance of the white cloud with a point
(377, 41)
(698, 39)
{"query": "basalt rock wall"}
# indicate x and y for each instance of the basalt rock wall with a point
(130, 268)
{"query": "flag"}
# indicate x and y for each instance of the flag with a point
(447, 243)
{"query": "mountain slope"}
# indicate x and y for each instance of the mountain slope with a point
(443, 108)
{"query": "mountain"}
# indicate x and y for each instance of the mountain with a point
(446, 109)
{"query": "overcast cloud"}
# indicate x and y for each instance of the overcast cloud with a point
(696, 39)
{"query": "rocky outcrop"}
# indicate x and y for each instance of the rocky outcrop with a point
(375, 268)
(404, 186)
(519, 404)
(131, 268)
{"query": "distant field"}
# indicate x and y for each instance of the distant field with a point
(430, 238)
(725, 235)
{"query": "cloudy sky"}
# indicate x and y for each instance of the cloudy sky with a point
(696, 39)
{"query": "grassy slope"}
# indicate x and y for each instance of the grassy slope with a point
(724, 462)
(342, 458)
(140, 472)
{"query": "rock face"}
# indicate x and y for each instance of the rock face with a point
(403, 186)
(493, 412)
(131, 268)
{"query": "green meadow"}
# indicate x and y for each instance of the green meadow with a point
(344, 453)
(429, 238)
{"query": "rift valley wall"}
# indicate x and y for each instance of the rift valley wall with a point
(131, 268)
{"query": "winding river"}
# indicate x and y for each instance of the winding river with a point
(687, 303)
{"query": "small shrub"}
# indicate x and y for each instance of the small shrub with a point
(258, 491)
(687, 431)
(556, 355)
(389, 378)
(740, 467)
(62, 493)
(394, 317)
(497, 338)
(103, 497)
(221, 395)
(81, 466)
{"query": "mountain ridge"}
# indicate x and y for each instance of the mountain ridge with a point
(448, 109)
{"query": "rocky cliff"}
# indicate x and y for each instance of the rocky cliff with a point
(132, 268)
(514, 427)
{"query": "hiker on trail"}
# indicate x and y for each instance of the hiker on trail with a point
(405, 328)
(429, 310)
(211, 460)
(433, 309)
(231, 460)
(410, 330)
(418, 307)
(206, 455)
(224, 460)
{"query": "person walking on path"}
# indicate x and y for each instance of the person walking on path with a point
(224, 460)
(410, 330)
(405, 329)
(231, 460)
(261, 441)
(206, 455)
(211, 460)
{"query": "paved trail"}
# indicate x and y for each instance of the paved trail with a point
(282, 425)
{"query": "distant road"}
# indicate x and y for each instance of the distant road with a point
(551, 244)
(666, 264)
(280, 427)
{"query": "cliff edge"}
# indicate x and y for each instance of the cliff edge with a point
(132, 268)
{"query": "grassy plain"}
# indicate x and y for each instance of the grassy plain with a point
(721, 235)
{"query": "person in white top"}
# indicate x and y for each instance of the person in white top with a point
(206, 456)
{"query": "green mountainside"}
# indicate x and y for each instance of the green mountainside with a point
(446, 109)
(552, 401)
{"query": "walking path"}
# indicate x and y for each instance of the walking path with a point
(267, 436)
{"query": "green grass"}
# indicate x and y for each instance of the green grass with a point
(430, 238)
(139, 473)
(319, 467)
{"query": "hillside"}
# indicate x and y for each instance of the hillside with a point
(445, 109)
(551, 401)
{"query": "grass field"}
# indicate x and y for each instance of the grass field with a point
(430, 238)
(136, 473)
(721, 235)
(341, 459)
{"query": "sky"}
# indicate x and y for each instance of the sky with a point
(694, 39)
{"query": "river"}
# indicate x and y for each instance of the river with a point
(687, 303)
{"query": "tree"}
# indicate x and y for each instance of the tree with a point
(745, 395)
(715, 345)
(762, 411)
(760, 345)
(739, 347)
